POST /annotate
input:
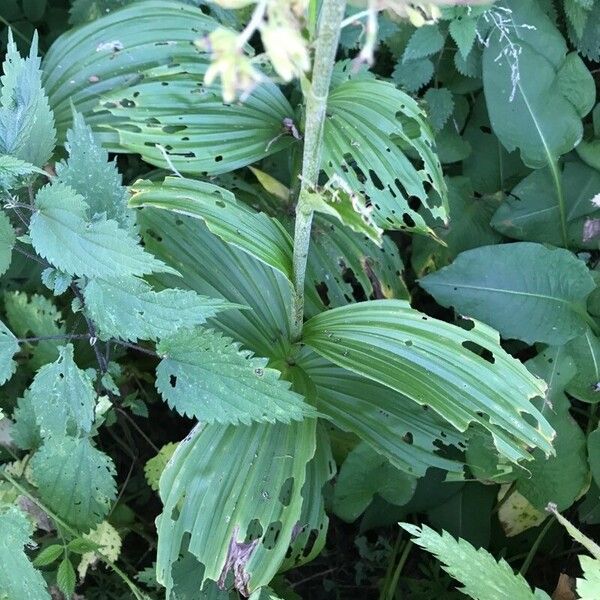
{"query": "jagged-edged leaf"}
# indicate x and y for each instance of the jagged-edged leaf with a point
(208, 376)
(483, 577)
(588, 43)
(90, 174)
(62, 232)
(26, 121)
(391, 423)
(585, 351)
(9, 346)
(524, 290)
(588, 586)
(366, 146)
(531, 212)
(18, 578)
(105, 539)
(7, 241)
(253, 232)
(75, 480)
(109, 54)
(440, 106)
(521, 67)
(235, 493)
(365, 473)
(213, 268)
(154, 468)
(56, 281)
(463, 375)
(130, 309)
(63, 396)
(13, 169)
(35, 316)
(25, 431)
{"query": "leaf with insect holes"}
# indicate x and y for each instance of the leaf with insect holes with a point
(18, 578)
(208, 376)
(128, 308)
(63, 232)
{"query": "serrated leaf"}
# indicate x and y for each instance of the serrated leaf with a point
(128, 308)
(154, 468)
(66, 578)
(25, 431)
(207, 376)
(9, 346)
(482, 577)
(438, 365)
(75, 480)
(464, 33)
(18, 578)
(13, 169)
(424, 42)
(63, 397)
(82, 545)
(90, 174)
(26, 121)
(365, 473)
(526, 291)
(35, 316)
(366, 146)
(223, 490)
(48, 555)
(106, 540)
(440, 104)
(254, 232)
(414, 75)
(62, 232)
(588, 586)
(56, 281)
(7, 242)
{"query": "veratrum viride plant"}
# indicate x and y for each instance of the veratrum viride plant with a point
(264, 262)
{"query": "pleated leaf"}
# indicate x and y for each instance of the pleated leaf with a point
(439, 365)
(208, 376)
(235, 492)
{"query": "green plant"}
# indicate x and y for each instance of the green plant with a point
(271, 303)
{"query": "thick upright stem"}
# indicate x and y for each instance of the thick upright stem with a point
(332, 13)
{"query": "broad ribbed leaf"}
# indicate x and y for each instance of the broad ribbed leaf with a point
(91, 175)
(408, 436)
(26, 122)
(215, 269)
(75, 480)
(130, 309)
(531, 211)
(9, 346)
(63, 397)
(83, 11)
(207, 376)
(110, 54)
(439, 365)
(521, 84)
(7, 241)
(235, 492)
(365, 144)
(253, 232)
(18, 578)
(482, 576)
(62, 232)
(526, 291)
(585, 351)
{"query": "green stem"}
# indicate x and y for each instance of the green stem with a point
(332, 13)
(556, 177)
(534, 548)
(138, 594)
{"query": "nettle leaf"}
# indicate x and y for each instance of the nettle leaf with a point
(526, 291)
(206, 375)
(588, 586)
(440, 106)
(254, 232)
(235, 493)
(9, 346)
(588, 43)
(521, 75)
(109, 54)
(463, 31)
(35, 316)
(18, 578)
(366, 146)
(13, 170)
(425, 41)
(130, 309)
(63, 397)
(397, 428)
(413, 75)
(75, 480)
(26, 121)
(216, 269)
(482, 576)
(62, 232)
(364, 474)
(531, 211)
(91, 175)
(7, 241)
(25, 431)
(464, 376)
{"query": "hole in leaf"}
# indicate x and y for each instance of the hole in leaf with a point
(479, 350)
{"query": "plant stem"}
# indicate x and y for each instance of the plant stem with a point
(560, 194)
(534, 548)
(332, 13)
